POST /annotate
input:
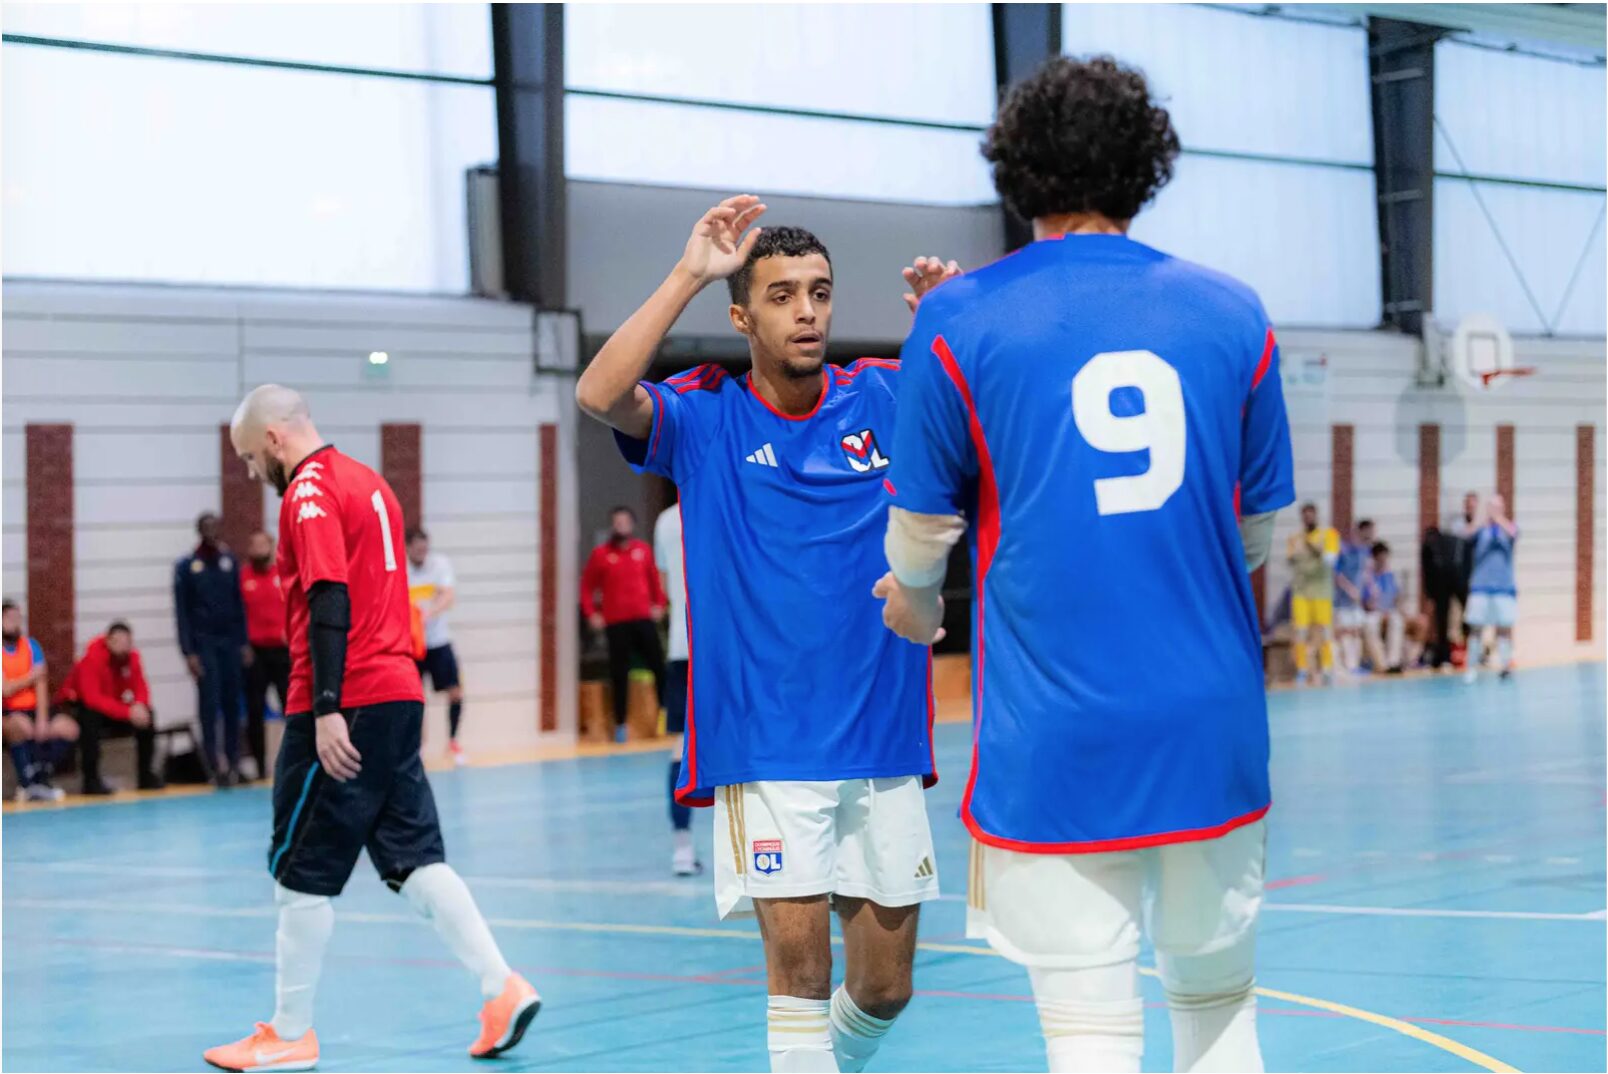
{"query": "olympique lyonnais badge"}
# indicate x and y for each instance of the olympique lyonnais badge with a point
(863, 453)
(767, 856)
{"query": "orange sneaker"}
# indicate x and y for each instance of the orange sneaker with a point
(263, 1050)
(504, 1020)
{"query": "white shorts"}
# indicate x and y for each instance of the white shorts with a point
(1348, 618)
(865, 838)
(1491, 609)
(1078, 911)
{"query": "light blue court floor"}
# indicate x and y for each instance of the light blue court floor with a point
(1436, 903)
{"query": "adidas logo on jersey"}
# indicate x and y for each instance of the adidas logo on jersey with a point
(764, 456)
(306, 490)
(310, 510)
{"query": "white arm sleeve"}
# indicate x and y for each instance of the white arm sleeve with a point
(1256, 533)
(917, 546)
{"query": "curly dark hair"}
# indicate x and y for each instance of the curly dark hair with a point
(774, 242)
(1081, 136)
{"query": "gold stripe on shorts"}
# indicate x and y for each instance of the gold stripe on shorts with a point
(734, 823)
(976, 898)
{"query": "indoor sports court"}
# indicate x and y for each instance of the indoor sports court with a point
(443, 446)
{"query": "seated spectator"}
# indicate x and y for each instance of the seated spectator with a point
(1385, 625)
(36, 740)
(111, 697)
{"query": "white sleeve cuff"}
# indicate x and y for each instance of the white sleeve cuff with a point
(917, 546)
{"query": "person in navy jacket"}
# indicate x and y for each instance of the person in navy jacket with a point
(212, 635)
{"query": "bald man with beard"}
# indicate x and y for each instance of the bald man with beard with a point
(349, 776)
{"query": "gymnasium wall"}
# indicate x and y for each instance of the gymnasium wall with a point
(146, 375)
(1366, 380)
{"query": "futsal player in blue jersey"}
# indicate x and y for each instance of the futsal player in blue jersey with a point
(1090, 392)
(808, 725)
(1493, 596)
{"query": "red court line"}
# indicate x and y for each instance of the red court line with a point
(1295, 881)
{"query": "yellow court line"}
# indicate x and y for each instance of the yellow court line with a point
(1384, 1021)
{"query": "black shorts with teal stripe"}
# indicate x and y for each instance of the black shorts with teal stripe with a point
(321, 825)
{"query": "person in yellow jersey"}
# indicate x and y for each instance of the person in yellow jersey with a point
(1312, 554)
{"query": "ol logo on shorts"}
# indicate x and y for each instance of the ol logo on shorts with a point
(767, 856)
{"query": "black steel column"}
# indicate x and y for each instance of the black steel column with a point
(1025, 35)
(1401, 68)
(528, 54)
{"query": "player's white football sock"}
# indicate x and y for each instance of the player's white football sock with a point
(856, 1036)
(1213, 1006)
(1476, 645)
(1504, 651)
(799, 1036)
(1092, 1019)
(439, 893)
(305, 925)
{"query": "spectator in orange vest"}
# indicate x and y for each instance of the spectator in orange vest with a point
(36, 740)
(109, 690)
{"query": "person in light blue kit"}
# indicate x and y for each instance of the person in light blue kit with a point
(808, 726)
(1090, 391)
(1493, 596)
(1349, 567)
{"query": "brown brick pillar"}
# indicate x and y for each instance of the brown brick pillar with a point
(1342, 467)
(1504, 465)
(402, 464)
(1428, 489)
(239, 497)
(52, 588)
(547, 576)
(1585, 523)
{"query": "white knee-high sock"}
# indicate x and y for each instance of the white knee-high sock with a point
(1471, 660)
(1215, 1032)
(305, 925)
(1504, 650)
(1093, 1019)
(439, 894)
(799, 1036)
(856, 1036)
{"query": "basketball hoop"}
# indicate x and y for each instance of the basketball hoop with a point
(1490, 377)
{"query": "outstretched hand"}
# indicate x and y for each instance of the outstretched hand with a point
(718, 247)
(925, 274)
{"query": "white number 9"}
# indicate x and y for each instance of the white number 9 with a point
(1159, 428)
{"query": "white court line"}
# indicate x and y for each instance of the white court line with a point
(1410, 911)
(268, 910)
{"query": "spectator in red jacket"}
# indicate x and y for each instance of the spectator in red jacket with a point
(111, 697)
(623, 571)
(263, 595)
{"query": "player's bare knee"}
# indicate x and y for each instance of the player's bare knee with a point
(802, 969)
(882, 997)
(17, 729)
(64, 729)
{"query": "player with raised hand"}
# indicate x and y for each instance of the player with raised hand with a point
(807, 724)
(1093, 389)
(349, 777)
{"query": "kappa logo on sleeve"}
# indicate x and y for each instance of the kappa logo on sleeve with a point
(310, 510)
(306, 490)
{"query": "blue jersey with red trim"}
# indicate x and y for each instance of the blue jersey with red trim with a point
(792, 675)
(1097, 409)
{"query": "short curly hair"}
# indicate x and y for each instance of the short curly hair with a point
(780, 241)
(1081, 136)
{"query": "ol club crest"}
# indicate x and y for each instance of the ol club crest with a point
(863, 453)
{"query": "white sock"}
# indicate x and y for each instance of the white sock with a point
(305, 925)
(1213, 1005)
(1084, 1033)
(799, 1036)
(439, 893)
(856, 1036)
(1504, 650)
(682, 838)
(1215, 1032)
(1471, 659)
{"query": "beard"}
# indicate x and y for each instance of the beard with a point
(262, 562)
(12, 637)
(276, 474)
(795, 367)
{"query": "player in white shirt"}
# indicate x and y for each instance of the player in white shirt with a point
(432, 587)
(667, 555)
